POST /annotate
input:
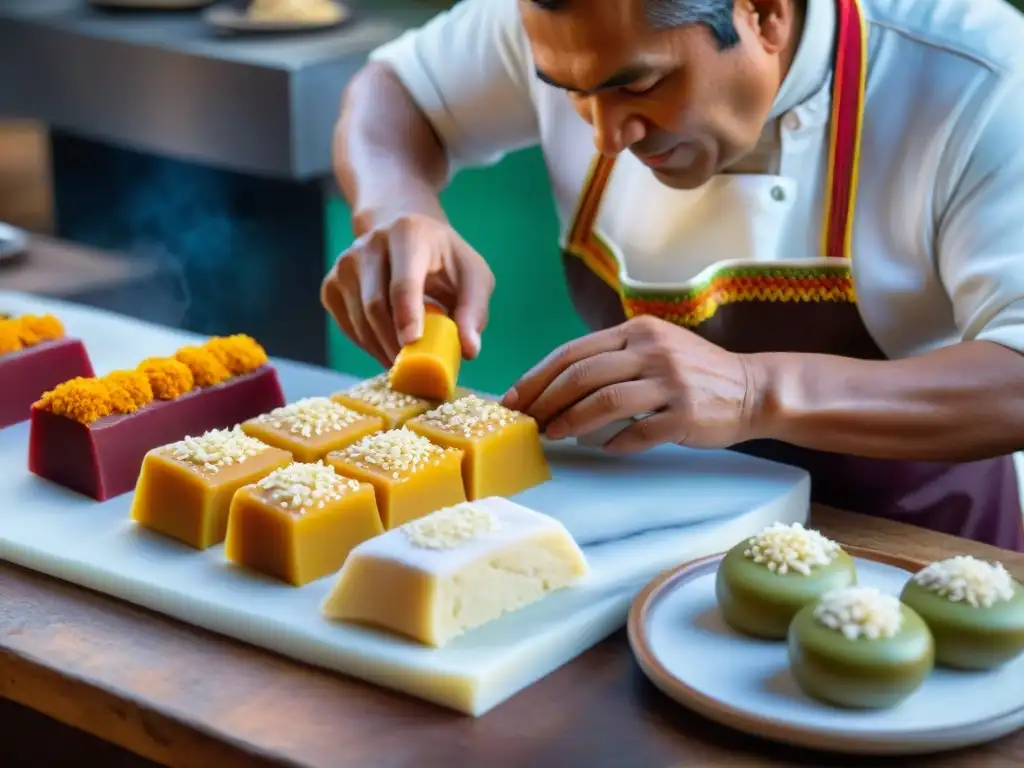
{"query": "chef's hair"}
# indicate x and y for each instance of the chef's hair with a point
(716, 15)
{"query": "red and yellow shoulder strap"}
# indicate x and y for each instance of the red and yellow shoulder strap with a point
(849, 83)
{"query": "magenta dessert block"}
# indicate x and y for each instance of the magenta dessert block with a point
(35, 356)
(92, 434)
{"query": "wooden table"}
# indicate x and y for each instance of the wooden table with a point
(183, 697)
(62, 270)
(147, 287)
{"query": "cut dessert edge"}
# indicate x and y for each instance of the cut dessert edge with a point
(429, 367)
(456, 570)
(185, 489)
(300, 523)
(27, 373)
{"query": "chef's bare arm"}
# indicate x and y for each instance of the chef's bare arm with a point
(452, 94)
(961, 402)
(388, 159)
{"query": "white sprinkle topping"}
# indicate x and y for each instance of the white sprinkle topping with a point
(783, 548)
(398, 452)
(469, 416)
(311, 417)
(450, 527)
(860, 612)
(294, 10)
(301, 487)
(965, 579)
(216, 449)
(377, 392)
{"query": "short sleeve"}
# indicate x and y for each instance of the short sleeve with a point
(469, 70)
(981, 232)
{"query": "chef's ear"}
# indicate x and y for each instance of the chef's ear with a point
(775, 22)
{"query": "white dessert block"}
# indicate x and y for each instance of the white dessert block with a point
(455, 569)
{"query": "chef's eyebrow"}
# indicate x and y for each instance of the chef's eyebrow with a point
(621, 78)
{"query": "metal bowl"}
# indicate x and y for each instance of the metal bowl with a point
(13, 242)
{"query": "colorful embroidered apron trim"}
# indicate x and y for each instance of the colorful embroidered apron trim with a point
(728, 286)
(756, 283)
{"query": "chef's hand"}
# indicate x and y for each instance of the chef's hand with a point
(376, 289)
(699, 394)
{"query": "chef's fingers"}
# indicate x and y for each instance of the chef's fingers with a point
(619, 401)
(474, 285)
(374, 273)
(362, 333)
(529, 387)
(646, 433)
(408, 261)
(580, 380)
(332, 295)
(334, 303)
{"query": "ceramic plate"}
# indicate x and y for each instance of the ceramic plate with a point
(161, 5)
(684, 647)
(233, 18)
(13, 242)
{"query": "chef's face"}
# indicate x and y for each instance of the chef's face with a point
(674, 97)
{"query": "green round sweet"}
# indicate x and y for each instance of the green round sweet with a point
(967, 636)
(761, 602)
(861, 673)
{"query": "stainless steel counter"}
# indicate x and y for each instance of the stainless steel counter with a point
(167, 84)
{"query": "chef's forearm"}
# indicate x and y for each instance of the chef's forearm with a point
(960, 403)
(387, 158)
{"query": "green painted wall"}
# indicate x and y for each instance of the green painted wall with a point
(507, 214)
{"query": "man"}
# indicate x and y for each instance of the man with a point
(801, 233)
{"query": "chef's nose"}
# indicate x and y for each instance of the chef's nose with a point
(615, 127)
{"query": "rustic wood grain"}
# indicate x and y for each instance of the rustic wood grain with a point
(32, 739)
(909, 541)
(183, 697)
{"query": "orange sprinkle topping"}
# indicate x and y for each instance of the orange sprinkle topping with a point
(206, 369)
(157, 378)
(83, 399)
(35, 329)
(87, 399)
(239, 353)
(130, 390)
(168, 378)
(10, 337)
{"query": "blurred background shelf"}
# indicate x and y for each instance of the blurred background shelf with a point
(165, 141)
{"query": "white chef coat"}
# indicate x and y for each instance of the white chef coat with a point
(938, 235)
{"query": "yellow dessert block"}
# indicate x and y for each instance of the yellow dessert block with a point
(411, 475)
(311, 428)
(375, 397)
(299, 523)
(185, 488)
(455, 569)
(429, 367)
(502, 452)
